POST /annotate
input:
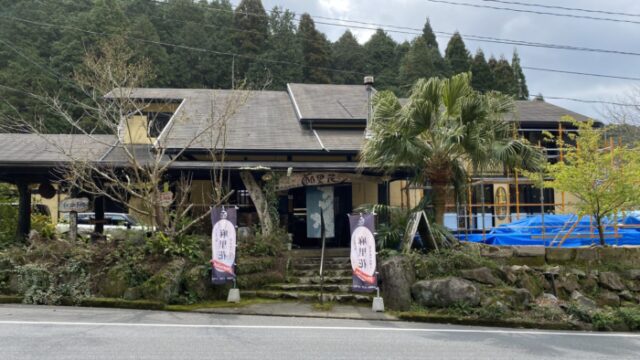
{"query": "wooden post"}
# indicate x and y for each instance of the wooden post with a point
(98, 209)
(469, 203)
(561, 150)
(517, 196)
(24, 211)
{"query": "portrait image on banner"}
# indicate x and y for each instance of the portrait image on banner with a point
(363, 252)
(223, 244)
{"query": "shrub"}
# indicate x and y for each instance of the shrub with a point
(631, 317)
(43, 285)
(43, 225)
(448, 262)
(189, 246)
(8, 222)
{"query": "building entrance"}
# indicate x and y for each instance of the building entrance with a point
(303, 215)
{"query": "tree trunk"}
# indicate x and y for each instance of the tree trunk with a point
(24, 211)
(439, 196)
(259, 200)
(73, 226)
(600, 231)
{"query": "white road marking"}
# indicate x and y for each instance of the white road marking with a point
(338, 328)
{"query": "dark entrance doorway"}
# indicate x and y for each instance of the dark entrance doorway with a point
(297, 217)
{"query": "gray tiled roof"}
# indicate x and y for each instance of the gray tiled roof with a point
(541, 112)
(258, 120)
(52, 148)
(268, 120)
(329, 102)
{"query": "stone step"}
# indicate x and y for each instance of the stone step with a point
(308, 296)
(340, 280)
(330, 266)
(333, 288)
(316, 272)
(314, 260)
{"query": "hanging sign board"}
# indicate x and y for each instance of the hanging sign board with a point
(223, 244)
(74, 204)
(363, 252)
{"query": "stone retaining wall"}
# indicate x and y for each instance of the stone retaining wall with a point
(537, 255)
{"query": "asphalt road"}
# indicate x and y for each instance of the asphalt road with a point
(43, 332)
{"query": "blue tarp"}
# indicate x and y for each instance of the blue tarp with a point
(529, 231)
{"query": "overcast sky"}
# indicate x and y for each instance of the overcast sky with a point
(511, 25)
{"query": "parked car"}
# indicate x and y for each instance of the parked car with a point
(113, 222)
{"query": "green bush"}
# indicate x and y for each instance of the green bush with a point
(43, 285)
(631, 317)
(189, 246)
(8, 223)
(43, 225)
(448, 262)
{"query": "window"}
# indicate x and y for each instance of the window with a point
(157, 122)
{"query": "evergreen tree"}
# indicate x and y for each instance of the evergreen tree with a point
(284, 45)
(521, 92)
(429, 36)
(219, 19)
(482, 77)
(316, 52)
(347, 54)
(380, 53)
(504, 79)
(421, 61)
(251, 23)
(142, 28)
(456, 55)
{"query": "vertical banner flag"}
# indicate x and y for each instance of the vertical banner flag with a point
(223, 244)
(363, 252)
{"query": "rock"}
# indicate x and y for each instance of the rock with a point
(633, 285)
(626, 295)
(582, 300)
(590, 283)
(632, 274)
(531, 283)
(529, 251)
(611, 281)
(397, 274)
(579, 273)
(608, 298)
(445, 292)
(568, 284)
(482, 275)
(548, 299)
(507, 274)
(516, 298)
(560, 255)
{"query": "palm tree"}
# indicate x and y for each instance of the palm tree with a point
(444, 133)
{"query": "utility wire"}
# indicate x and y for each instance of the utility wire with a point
(581, 73)
(534, 11)
(562, 7)
(416, 31)
(588, 101)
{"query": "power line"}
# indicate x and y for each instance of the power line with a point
(562, 8)
(581, 73)
(416, 31)
(588, 101)
(534, 11)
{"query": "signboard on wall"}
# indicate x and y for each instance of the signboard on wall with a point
(74, 204)
(312, 179)
(363, 252)
(223, 244)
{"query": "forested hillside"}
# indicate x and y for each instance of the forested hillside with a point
(209, 44)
